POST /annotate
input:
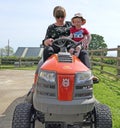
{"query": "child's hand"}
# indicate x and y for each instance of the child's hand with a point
(71, 50)
(84, 41)
(78, 48)
(85, 46)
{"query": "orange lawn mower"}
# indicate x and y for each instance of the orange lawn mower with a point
(62, 95)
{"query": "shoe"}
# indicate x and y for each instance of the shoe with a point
(95, 79)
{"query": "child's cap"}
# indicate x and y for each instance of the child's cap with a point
(79, 15)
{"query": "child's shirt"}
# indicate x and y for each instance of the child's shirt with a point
(78, 34)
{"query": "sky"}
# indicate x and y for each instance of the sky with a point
(24, 22)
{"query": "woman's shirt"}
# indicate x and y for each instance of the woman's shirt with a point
(55, 32)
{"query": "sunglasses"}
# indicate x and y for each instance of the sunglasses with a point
(59, 17)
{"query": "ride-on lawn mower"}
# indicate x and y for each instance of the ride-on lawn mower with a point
(62, 95)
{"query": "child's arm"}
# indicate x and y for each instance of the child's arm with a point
(86, 41)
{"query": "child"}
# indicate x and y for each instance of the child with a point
(79, 34)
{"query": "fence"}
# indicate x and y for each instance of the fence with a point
(101, 61)
(9, 62)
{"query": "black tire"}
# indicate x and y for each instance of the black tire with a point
(102, 116)
(22, 116)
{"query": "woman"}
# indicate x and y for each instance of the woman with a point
(59, 29)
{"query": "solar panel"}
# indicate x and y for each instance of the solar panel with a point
(32, 52)
(19, 51)
(28, 52)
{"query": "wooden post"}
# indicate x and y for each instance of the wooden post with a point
(91, 59)
(8, 48)
(0, 62)
(19, 62)
(101, 65)
(1, 58)
(118, 63)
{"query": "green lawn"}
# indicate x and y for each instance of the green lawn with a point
(18, 68)
(107, 91)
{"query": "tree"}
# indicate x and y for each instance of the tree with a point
(97, 42)
(7, 51)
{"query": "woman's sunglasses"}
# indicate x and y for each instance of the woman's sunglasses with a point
(59, 17)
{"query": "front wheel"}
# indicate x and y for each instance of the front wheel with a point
(102, 116)
(23, 116)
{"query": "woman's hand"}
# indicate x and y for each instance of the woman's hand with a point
(48, 42)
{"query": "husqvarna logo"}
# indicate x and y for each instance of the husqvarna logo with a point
(65, 82)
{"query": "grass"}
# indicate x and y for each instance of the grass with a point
(108, 92)
(18, 68)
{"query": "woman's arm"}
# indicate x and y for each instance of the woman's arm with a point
(48, 37)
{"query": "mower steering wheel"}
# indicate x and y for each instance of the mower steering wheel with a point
(63, 42)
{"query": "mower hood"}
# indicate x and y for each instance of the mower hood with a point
(64, 65)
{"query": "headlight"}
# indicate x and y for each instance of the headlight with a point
(83, 76)
(47, 76)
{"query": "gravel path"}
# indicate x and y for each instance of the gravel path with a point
(14, 85)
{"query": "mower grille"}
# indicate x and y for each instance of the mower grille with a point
(65, 58)
(47, 90)
(83, 91)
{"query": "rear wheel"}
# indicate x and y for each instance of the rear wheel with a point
(23, 116)
(101, 117)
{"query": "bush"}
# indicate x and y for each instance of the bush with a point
(12, 59)
(106, 60)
